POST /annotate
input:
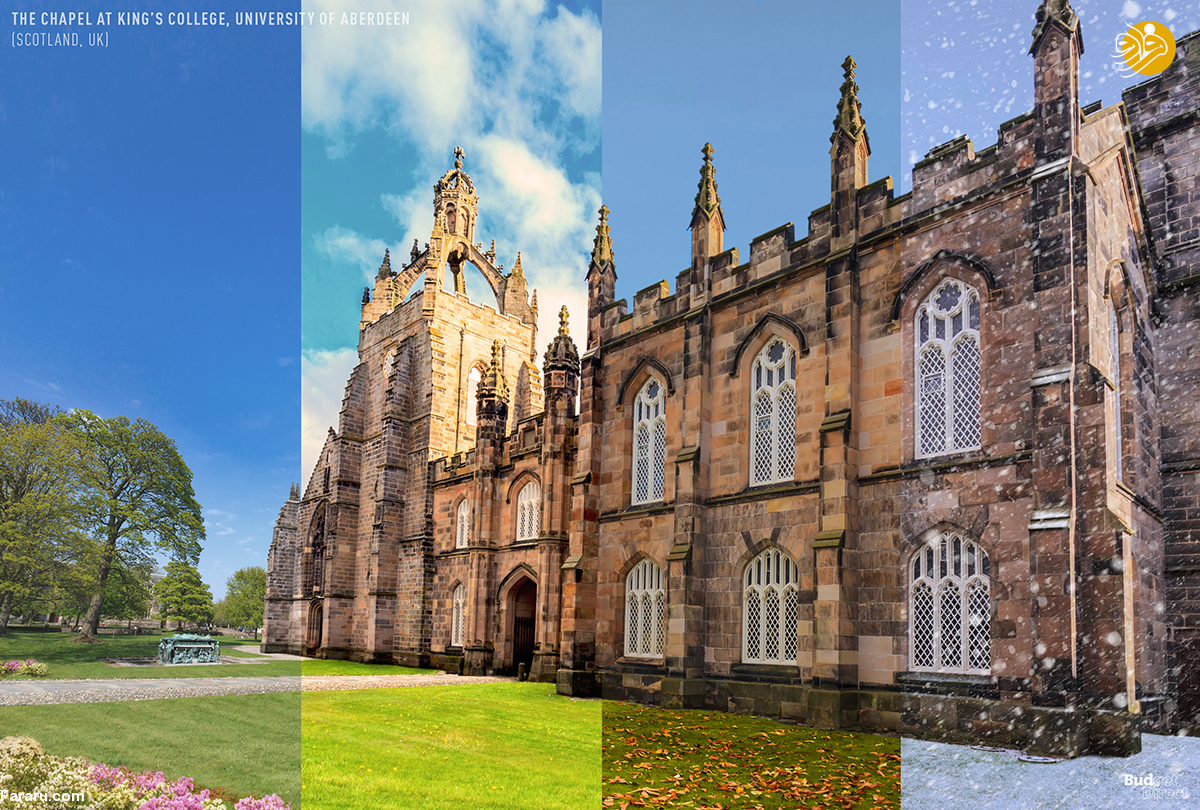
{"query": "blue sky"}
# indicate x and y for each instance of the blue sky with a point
(760, 81)
(149, 199)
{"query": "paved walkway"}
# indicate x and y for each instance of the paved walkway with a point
(29, 692)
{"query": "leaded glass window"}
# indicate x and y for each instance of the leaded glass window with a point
(950, 607)
(462, 534)
(946, 329)
(458, 610)
(770, 609)
(649, 442)
(645, 611)
(773, 414)
(529, 504)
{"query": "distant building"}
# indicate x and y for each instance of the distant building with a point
(933, 467)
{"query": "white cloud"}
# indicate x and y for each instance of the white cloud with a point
(323, 377)
(480, 74)
(343, 245)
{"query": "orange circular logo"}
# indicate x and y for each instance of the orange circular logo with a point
(1147, 47)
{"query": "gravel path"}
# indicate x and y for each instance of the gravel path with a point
(29, 693)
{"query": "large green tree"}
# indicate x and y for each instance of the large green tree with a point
(137, 498)
(246, 591)
(40, 512)
(182, 596)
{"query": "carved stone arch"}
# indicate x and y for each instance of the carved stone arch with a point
(931, 265)
(490, 274)
(635, 556)
(519, 482)
(513, 578)
(751, 548)
(786, 325)
(919, 541)
(403, 282)
(646, 364)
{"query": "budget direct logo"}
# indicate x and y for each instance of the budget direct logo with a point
(1147, 48)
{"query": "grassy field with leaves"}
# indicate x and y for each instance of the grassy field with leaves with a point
(713, 761)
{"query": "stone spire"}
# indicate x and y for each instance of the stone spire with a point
(708, 202)
(366, 299)
(849, 115)
(1056, 12)
(708, 220)
(493, 385)
(294, 492)
(561, 354)
(602, 251)
(848, 156)
(415, 253)
(517, 272)
(385, 269)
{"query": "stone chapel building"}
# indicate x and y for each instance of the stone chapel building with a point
(931, 467)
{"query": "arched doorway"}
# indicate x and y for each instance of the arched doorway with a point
(316, 620)
(524, 606)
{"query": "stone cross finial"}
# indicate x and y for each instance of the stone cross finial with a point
(459, 154)
(604, 213)
(562, 321)
(848, 68)
(707, 152)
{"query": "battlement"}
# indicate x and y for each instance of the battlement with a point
(524, 440)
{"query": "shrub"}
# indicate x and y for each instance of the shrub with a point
(26, 768)
(27, 667)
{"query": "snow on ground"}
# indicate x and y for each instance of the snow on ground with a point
(957, 777)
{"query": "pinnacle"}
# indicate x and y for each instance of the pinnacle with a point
(707, 199)
(602, 250)
(849, 115)
(385, 269)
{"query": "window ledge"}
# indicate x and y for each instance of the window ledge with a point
(766, 673)
(950, 683)
(642, 666)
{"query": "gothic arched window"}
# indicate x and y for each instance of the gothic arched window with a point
(462, 526)
(773, 414)
(946, 327)
(645, 611)
(529, 504)
(949, 609)
(458, 610)
(649, 442)
(770, 609)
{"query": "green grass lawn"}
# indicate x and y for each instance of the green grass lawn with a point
(235, 745)
(70, 660)
(659, 758)
(316, 666)
(500, 746)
